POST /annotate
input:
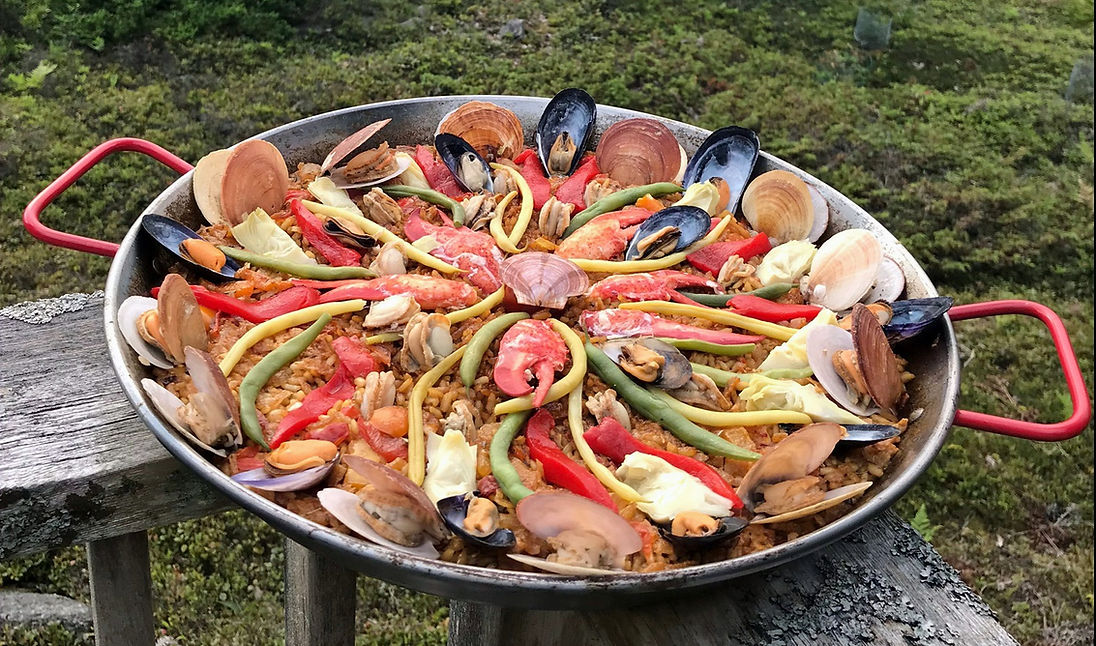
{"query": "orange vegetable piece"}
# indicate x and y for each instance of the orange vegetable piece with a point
(390, 420)
(650, 203)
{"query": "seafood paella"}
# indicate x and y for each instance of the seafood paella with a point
(593, 354)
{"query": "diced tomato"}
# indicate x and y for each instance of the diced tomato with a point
(712, 258)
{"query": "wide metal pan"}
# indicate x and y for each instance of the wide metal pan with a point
(933, 358)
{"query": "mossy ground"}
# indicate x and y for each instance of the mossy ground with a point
(958, 137)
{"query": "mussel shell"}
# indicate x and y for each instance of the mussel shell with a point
(729, 527)
(913, 316)
(691, 221)
(729, 153)
(336, 229)
(455, 152)
(572, 111)
(675, 373)
(453, 511)
(865, 434)
(170, 234)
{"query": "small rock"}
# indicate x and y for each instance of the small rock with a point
(18, 607)
(513, 29)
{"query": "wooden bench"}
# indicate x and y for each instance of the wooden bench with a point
(78, 467)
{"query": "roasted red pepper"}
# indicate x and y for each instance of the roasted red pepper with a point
(386, 446)
(712, 258)
(354, 361)
(328, 247)
(326, 284)
(573, 190)
(766, 310)
(335, 433)
(248, 458)
(437, 173)
(283, 302)
(614, 441)
(535, 177)
(559, 469)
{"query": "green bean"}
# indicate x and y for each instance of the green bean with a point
(617, 201)
(434, 197)
(480, 341)
(658, 411)
(734, 350)
(262, 372)
(505, 473)
(770, 292)
(317, 272)
(724, 377)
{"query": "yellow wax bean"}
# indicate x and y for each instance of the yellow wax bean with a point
(495, 226)
(486, 305)
(526, 213)
(600, 471)
(416, 434)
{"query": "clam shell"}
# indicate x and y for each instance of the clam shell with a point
(170, 234)
(255, 176)
(562, 568)
(206, 182)
(833, 497)
(821, 214)
(877, 362)
(778, 204)
(822, 343)
(260, 479)
(343, 505)
(728, 153)
(492, 130)
(639, 151)
(549, 513)
(181, 320)
(571, 111)
(844, 269)
(351, 143)
(793, 457)
(338, 175)
(128, 312)
(208, 378)
(168, 405)
(542, 279)
(889, 283)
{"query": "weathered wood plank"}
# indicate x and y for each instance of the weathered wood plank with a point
(121, 590)
(476, 624)
(78, 466)
(881, 585)
(319, 599)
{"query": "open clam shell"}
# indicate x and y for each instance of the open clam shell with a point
(455, 509)
(794, 457)
(778, 204)
(675, 371)
(129, 311)
(668, 231)
(729, 527)
(822, 343)
(550, 513)
(208, 378)
(877, 362)
(821, 214)
(351, 143)
(564, 131)
(170, 235)
(911, 317)
(844, 269)
(561, 568)
(639, 151)
(832, 498)
(338, 175)
(469, 169)
(260, 479)
(728, 153)
(206, 183)
(168, 405)
(343, 505)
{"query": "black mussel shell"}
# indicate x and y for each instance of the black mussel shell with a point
(336, 230)
(170, 235)
(570, 113)
(675, 373)
(453, 511)
(911, 317)
(729, 153)
(865, 434)
(689, 223)
(729, 527)
(470, 170)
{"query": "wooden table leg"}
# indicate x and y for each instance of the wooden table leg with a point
(121, 590)
(320, 599)
(474, 624)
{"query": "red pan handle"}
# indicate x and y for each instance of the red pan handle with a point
(1082, 409)
(68, 240)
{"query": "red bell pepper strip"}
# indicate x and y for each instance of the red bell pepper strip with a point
(573, 190)
(766, 310)
(283, 302)
(335, 433)
(559, 469)
(534, 176)
(328, 247)
(326, 284)
(614, 441)
(386, 446)
(437, 173)
(712, 258)
(354, 361)
(248, 458)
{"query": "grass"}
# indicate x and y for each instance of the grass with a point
(958, 137)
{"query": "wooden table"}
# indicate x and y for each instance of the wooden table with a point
(78, 467)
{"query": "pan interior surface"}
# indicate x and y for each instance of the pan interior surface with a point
(932, 357)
